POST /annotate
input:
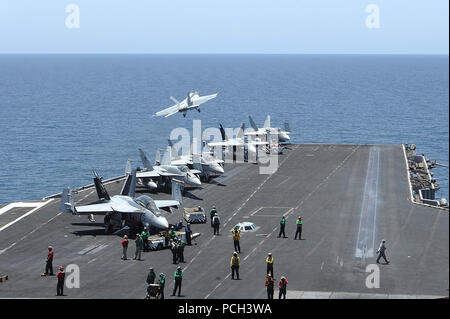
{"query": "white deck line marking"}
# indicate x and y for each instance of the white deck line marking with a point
(14, 205)
(365, 246)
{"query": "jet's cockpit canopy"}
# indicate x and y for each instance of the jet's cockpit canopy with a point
(147, 202)
(184, 168)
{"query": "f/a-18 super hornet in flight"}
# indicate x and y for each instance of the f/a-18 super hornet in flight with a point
(191, 102)
(164, 171)
(283, 135)
(124, 210)
(239, 141)
(206, 163)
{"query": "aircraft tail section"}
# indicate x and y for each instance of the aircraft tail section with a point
(240, 133)
(252, 123)
(101, 190)
(67, 202)
(174, 151)
(177, 192)
(129, 187)
(222, 132)
(267, 122)
(158, 157)
(145, 161)
(287, 127)
(167, 158)
(128, 167)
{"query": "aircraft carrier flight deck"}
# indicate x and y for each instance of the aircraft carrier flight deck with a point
(349, 196)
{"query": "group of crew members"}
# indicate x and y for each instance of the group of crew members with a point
(177, 248)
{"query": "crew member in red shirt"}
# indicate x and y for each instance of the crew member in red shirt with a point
(60, 285)
(125, 247)
(49, 263)
(283, 287)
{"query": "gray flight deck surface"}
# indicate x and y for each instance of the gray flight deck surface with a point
(349, 196)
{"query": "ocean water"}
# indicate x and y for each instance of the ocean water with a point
(61, 116)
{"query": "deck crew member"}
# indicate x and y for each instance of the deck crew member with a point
(216, 223)
(282, 285)
(269, 284)
(174, 250)
(234, 264)
(161, 283)
(188, 232)
(180, 251)
(212, 212)
(299, 224)
(49, 263)
(282, 227)
(151, 276)
(173, 234)
(178, 279)
(124, 247)
(139, 244)
(269, 262)
(145, 234)
(60, 285)
(381, 252)
(236, 238)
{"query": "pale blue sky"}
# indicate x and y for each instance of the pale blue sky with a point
(225, 26)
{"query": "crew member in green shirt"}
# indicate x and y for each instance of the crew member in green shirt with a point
(299, 224)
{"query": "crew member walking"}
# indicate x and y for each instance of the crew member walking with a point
(299, 224)
(60, 285)
(212, 212)
(178, 279)
(161, 283)
(151, 276)
(234, 263)
(269, 262)
(124, 247)
(174, 250)
(180, 251)
(145, 234)
(282, 285)
(139, 244)
(216, 223)
(49, 263)
(269, 284)
(381, 252)
(236, 238)
(282, 227)
(188, 232)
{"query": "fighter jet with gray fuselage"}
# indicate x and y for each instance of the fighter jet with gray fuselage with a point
(124, 211)
(164, 172)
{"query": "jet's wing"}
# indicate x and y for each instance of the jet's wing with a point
(167, 203)
(253, 133)
(168, 111)
(180, 162)
(104, 208)
(225, 143)
(147, 174)
(202, 99)
(259, 143)
(195, 171)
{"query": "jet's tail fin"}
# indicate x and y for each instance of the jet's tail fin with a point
(240, 133)
(129, 187)
(222, 132)
(167, 157)
(144, 159)
(158, 157)
(101, 190)
(287, 127)
(196, 162)
(67, 205)
(177, 192)
(252, 123)
(267, 122)
(174, 151)
(128, 167)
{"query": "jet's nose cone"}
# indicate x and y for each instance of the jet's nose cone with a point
(284, 137)
(162, 223)
(218, 169)
(195, 181)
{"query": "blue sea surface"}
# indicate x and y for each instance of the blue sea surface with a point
(61, 116)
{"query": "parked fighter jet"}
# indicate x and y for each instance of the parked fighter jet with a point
(164, 169)
(283, 136)
(124, 210)
(238, 141)
(192, 101)
(205, 162)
